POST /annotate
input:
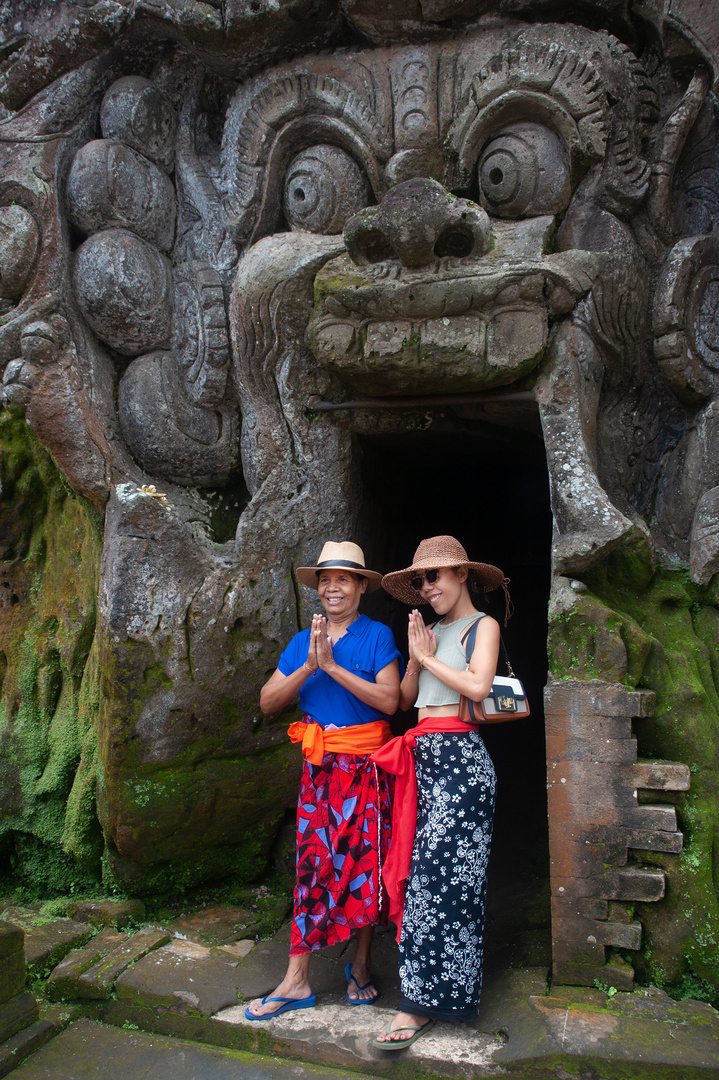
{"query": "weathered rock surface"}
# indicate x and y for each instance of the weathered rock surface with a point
(216, 223)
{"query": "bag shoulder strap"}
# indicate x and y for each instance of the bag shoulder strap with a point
(469, 638)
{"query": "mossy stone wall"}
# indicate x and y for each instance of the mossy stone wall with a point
(51, 543)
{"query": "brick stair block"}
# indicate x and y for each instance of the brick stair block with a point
(16, 1014)
(586, 859)
(655, 840)
(591, 748)
(651, 817)
(662, 775)
(578, 974)
(616, 728)
(606, 840)
(593, 793)
(618, 973)
(620, 935)
(97, 982)
(628, 884)
(63, 981)
(579, 698)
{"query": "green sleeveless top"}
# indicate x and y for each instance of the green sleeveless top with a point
(450, 650)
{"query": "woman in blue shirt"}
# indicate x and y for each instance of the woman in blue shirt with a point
(346, 670)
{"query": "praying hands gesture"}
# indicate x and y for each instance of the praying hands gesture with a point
(422, 642)
(320, 642)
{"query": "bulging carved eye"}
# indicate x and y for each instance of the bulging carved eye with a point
(323, 187)
(524, 171)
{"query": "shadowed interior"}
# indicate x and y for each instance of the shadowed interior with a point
(488, 487)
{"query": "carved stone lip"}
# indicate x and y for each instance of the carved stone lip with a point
(555, 281)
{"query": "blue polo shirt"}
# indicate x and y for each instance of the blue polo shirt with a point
(364, 649)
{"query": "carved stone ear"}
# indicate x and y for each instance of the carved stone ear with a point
(168, 435)
(686, 332)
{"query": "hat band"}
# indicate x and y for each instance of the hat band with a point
(340, 562)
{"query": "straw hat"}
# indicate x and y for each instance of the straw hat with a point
(344, 556)
(434, 554)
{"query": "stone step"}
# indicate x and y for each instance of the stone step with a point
(87, 1049)
(182, 990)
(22, 1044)
(98, 981)
(62, 985)
(47, 941)
(16, 1049)
(17, 1013)
(108, 913)
(342, 1035)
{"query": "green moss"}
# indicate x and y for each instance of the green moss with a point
(48, 702)
(654, 629)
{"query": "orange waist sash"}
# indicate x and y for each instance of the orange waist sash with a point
(358, 739)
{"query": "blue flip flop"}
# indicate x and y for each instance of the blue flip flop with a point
(351, 979)
(289, 1003)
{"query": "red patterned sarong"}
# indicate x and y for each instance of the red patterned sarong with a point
(343, 832)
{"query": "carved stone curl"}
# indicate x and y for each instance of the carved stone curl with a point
(19, 241)
(137, 112)
(124, 289)
(112, 186)
(686, 318)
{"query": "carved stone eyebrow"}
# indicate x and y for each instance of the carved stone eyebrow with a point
(278, 114)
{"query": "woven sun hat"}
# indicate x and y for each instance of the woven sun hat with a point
(434, 554)
(342, 556)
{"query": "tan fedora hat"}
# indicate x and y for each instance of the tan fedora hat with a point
(434, 554)
(342, 556)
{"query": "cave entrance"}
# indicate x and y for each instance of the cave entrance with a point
(486, 484)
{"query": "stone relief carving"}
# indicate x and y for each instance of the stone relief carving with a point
(192, 254)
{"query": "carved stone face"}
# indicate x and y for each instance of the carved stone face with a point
(481, 186)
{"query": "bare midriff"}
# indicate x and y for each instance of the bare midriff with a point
(437, 710)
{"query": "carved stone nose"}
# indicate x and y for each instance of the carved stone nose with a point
(417, 222)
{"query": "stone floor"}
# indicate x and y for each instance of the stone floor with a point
(165, 1005)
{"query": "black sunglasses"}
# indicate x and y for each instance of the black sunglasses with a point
(430, 576)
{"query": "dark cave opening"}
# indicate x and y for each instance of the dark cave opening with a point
(488, 486)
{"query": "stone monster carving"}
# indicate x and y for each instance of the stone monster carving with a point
(193, 251)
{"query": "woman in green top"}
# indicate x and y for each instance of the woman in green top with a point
(442, 924)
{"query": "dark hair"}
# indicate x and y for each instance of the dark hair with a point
(476, 590)
(352, 573)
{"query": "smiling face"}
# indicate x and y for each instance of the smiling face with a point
(340, 592)
(448, 592)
